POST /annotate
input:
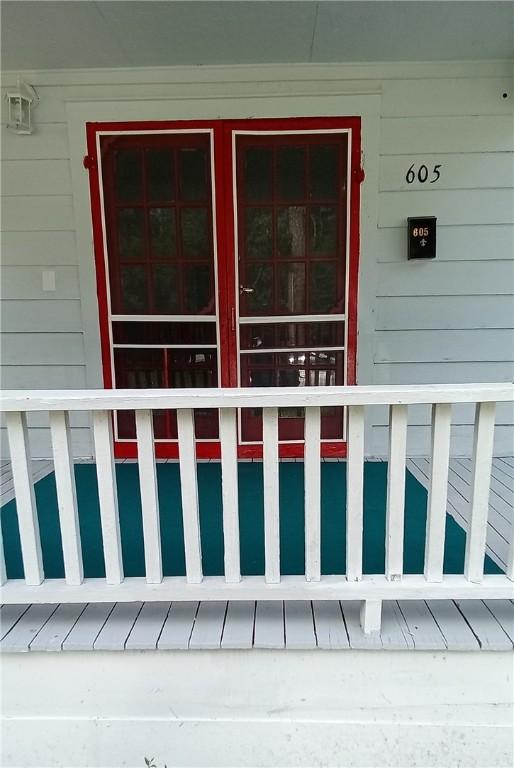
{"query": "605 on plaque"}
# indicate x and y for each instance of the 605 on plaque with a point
(422, 174)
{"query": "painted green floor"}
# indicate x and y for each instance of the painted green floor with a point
(251, 521)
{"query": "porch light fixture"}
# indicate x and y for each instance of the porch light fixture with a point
(21, 101)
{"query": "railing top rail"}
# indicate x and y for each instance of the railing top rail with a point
(251, 397)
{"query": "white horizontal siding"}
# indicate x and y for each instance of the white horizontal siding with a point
(444, 320)
(36, 177)
(27, 376)
(395, 313)
(33, 213)
(477, 345)
(46, 248)
(48, 142)
(41, 315)
(455, 372)
(451, 96)
(438, 278)
(448, 135)
(43, 348)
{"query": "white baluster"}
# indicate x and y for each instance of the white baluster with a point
(230, 494)
(354, 491)
(189, 491)
(66, 496)
(149, 496)
(510, 561)
(21, 466)
(395, 513)
(437, 491)
(271, 494)
(312, 482)
(480, 482)
(108, 496)
(3, 570)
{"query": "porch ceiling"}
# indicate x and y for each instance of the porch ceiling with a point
(86, 34)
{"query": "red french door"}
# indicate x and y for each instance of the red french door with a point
(227, 255)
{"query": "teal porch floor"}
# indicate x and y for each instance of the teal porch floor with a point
(333, 485)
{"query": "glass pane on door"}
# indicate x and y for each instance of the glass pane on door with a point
(292, 255)
(160, 253)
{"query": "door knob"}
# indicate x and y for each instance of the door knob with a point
(244, 289)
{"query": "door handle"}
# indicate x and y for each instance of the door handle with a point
(244, 289)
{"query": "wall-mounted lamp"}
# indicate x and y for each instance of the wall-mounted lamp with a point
(21, 101)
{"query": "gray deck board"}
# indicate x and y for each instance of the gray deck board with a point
(115, 631)
(87, 627)
(57, 628)
(503, 611)
(453, 627)
(490, 634)
(470, 625)
(394, 632)
(239, 624)
(9, 615)
(299, 624)
(208, 626)
(147, 627)
(178, 626)
(269, 624)
(26, 629)
(422, 626)
(330, 628)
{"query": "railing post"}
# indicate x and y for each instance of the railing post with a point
(437, 492)
(229, 492)
(189, 495)
(271, 494)
(66, 496)
(483, 439)
(21, 465)
(108, 496)
(371, 616)
(312, 490)
(149, 496)
(354, 492)
(396, 491)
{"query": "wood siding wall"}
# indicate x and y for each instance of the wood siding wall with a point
(445, 321)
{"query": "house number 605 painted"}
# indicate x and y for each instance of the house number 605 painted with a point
(422, 174)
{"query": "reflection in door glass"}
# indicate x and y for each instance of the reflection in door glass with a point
(134, 293)
(165, 289)
(131, 233)
(258, 233)
(291, 232)
(163, 232)
(260, 284)
(291, 281)
(323, 287)
(195, 233)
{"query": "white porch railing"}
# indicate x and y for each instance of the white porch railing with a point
(371, 589)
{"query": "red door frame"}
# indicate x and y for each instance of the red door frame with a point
(222, 131)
